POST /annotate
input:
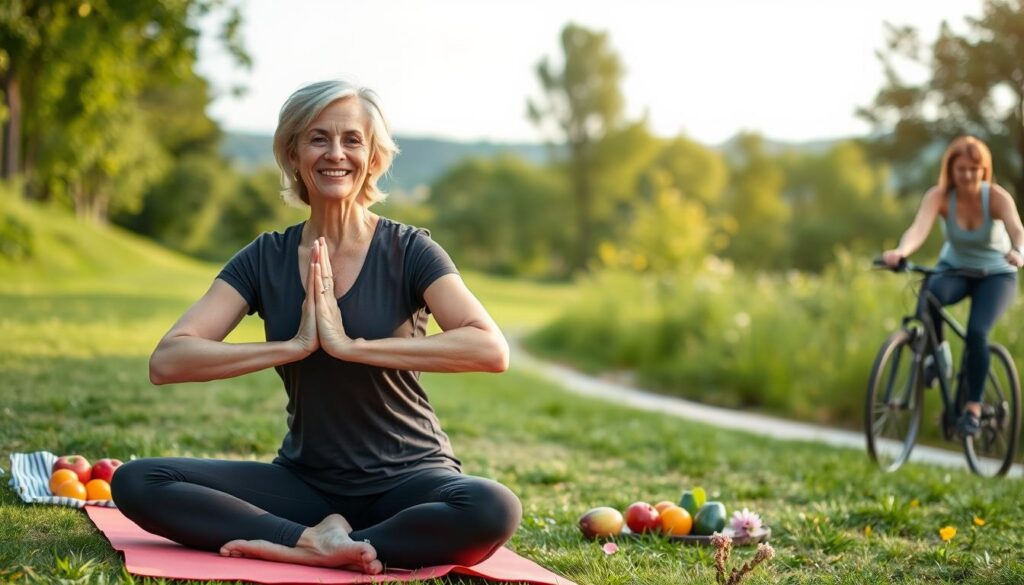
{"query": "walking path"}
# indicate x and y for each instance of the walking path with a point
(778, 428)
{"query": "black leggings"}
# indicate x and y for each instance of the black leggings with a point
(436, 517)
(990, 297)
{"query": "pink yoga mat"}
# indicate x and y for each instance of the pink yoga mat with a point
(149, 555)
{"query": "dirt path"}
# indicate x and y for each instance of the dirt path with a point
(778, 428)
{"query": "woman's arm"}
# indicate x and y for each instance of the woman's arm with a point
(194, 351)
(1004, 208)
(470, 342)
(918, 231)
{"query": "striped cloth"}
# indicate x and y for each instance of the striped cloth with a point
(30, 478)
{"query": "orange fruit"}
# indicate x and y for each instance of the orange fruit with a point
(676, 521)
(59, 477)
(97, 489)
(662, 505)
(71, 488)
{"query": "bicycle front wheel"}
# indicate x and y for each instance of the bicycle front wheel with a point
(991, 453)
(895, 402)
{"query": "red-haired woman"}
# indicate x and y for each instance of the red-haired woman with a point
(984, 235)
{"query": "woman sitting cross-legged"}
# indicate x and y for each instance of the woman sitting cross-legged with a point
(365, 477)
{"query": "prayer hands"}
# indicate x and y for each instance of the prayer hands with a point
(325, 314)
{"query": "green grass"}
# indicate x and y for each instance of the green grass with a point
(73, 353)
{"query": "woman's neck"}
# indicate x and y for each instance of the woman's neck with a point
(343, 224)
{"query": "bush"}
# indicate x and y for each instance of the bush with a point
(794, 344)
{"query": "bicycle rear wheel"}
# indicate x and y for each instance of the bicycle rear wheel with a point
(991, 453)
(895, 402)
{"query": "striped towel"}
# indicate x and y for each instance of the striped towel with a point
(30, 478)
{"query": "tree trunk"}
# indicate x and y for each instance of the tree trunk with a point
(12, 125)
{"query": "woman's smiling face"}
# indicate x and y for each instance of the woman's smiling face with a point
(332, 155)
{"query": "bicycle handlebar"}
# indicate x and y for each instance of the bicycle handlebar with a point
(908, 266)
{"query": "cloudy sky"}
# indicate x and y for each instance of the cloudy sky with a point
(462, 69)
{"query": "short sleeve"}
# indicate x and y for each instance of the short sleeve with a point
(242, 273)
(426, 261)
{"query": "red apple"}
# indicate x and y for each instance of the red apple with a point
(642, 517)
(76, 463)
(104, 469)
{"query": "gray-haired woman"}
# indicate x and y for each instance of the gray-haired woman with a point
(365, 477)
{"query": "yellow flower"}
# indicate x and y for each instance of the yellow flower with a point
(914, 503)
(979, 521)
(867, 531)
(947, 533)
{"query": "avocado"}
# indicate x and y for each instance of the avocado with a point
(710, 518)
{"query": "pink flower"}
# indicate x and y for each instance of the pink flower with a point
(610, 548)
(745, 522)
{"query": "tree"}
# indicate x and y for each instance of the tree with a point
(502, 216)
(756, 205)
(582, 102)
(839, 200)
(975, 86)
(83, 68)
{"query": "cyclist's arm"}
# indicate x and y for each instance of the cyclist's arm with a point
(918, 231)
(1004, 208)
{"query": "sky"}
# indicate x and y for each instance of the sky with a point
(792, 70)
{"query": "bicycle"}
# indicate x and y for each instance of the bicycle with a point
(895, 393)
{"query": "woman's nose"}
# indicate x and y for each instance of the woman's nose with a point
(335, 151)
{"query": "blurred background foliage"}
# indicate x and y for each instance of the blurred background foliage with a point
(733, 273)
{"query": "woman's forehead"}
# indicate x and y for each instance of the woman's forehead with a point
(343, 115)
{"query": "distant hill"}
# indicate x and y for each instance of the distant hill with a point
(772, 147)
(421, 161)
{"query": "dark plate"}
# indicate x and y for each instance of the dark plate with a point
(760, 535)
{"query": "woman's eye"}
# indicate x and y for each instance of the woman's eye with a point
(319, 140)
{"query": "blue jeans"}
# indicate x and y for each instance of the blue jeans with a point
(990, 297)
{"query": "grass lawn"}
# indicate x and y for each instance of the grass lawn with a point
(74, 343)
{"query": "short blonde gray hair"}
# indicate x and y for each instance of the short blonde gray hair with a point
(299, 111)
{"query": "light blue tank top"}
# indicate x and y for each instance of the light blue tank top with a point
(979, 249)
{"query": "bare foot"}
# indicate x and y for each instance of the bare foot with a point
(325, 545)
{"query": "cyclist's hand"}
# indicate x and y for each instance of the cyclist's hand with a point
(1015, 258)
(892, 258)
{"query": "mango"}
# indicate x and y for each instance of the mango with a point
(601, 522)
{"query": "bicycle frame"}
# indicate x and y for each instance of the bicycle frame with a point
(950, 399)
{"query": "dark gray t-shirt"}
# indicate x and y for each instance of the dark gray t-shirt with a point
(353, 429)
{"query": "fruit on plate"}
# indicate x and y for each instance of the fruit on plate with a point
(660, 506)
(676, 521)
(642, 517)
(601, 522)
(692, 500)
(77, 463)
(710, 518)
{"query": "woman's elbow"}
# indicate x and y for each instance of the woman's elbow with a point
(158, 374)
(497, 354)
(161, 366)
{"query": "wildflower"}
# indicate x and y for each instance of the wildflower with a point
(914, 503)
(745, 522)
(610, 548)
(946, 533)
(979, 521)
(867, 531)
